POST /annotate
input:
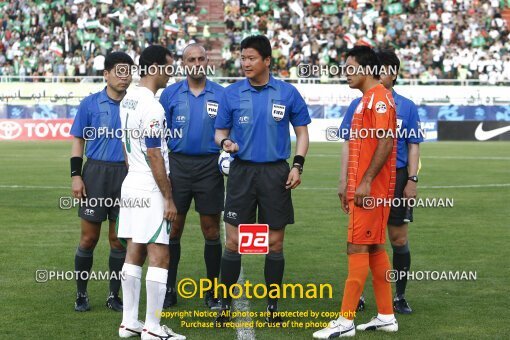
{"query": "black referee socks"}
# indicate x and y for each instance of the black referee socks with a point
(175, 257)
(230, 270)
(401, 263)
(212, 257)
(116, 261)
(83, 263)
(273, 273)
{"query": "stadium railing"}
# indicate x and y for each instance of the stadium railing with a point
(99, 79)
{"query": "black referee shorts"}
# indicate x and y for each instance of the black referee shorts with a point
(198, 178)
(103, 180)
(397, 214)
(258, 186)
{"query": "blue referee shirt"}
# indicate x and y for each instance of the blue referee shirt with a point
(95, 112)
(408, 122)
(195, 116)
(259, 120)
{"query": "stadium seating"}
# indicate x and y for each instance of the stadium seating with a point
(58, 39)
(434, 39)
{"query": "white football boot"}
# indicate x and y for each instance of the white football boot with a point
(377, 324)
(129, 332)
(336, 329)
(162, 333)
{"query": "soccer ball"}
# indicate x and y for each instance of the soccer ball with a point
(224, 162)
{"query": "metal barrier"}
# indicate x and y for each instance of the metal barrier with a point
(227, 80)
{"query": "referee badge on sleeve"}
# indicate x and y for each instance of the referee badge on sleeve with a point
(278, 112)
(212, 109)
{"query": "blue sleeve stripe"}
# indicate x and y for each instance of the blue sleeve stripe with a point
(153, 142)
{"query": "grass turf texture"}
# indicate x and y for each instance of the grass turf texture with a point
(472, 236)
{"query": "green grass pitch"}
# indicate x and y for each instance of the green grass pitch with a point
(471, 236)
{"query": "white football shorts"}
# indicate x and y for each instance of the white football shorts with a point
(143, 224)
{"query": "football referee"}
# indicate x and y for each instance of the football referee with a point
(191, 106)
(253, 125)
(408, 156)
(101, 177)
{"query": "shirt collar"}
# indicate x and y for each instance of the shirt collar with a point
(247, 86)
(103, 97)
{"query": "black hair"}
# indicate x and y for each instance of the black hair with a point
(116, 58)
(389, 58)
(154, 54)
(260, 43)
(366, 57)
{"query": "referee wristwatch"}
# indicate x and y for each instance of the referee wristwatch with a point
(299, 167)
(298, 163)
(413, 179)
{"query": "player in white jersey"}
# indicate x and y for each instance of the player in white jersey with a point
(146, 229)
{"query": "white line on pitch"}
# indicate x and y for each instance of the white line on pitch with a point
(301, 188)
(31, 187)
(467, 157)
(241, 304)
(465, 186)
(334, 155)
(426, 187)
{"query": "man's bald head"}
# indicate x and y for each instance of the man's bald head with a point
(194, 59)
(195, 47)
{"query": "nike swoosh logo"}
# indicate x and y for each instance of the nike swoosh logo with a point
(482, 135)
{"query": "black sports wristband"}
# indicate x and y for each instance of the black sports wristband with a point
(299, 160)
(76, 164)
(223, 141)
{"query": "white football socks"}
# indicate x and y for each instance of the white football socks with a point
(131, 283)
(345, 322)
(155, 282)
(385, 317)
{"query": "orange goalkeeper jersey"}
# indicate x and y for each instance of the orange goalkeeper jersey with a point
(374, 116)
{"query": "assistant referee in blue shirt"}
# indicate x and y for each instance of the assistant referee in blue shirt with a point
(253, 125)
(408, 155)
(191, 106)
(102, 175)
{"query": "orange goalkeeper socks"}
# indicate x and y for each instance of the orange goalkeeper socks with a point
(379, 265)
(357, 275)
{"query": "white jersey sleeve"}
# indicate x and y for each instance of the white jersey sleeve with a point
(154, 125)
(143, 121)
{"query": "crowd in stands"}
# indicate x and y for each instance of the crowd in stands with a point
(71, 38)
(452, 39)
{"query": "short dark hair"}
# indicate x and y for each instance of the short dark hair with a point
(153, 54)
(389, 58)
(116, 58)
(365, 56)
(260, 43)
